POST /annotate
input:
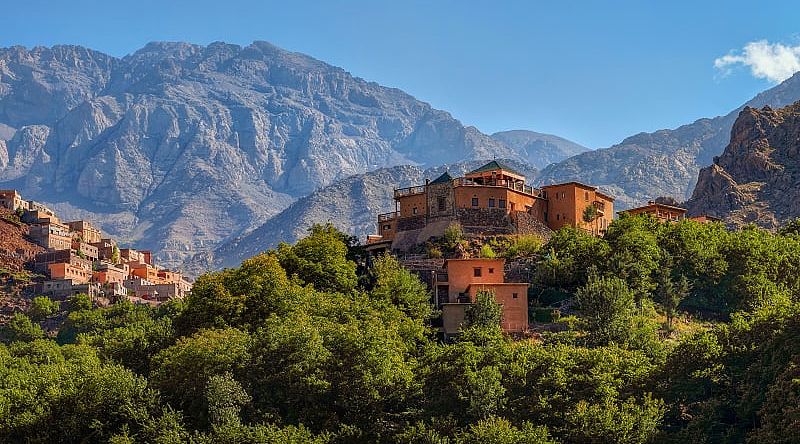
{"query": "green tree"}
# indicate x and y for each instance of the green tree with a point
(670, 293)
(453, 235)
(395, 284)
(320, 259)
(20, 328)
(225, 398)
(42, 307)
(484, 311)
(607, 306)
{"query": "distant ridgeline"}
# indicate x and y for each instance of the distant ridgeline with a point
(77, 259)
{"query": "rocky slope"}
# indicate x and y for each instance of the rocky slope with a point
(178, 147)
(663, 163)
(757, 177)
(351, 204)
(538, 149)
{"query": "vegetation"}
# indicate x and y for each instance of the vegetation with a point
(302, 345)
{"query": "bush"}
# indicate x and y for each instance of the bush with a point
(524, 245)
(42, 307)
(453, 235)
(487, 252)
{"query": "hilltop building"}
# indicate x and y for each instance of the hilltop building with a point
(492, 199)
(662, 212)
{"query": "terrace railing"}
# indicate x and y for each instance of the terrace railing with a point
(400, 192)
(385, 217)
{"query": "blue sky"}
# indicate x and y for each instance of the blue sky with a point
(594, 72)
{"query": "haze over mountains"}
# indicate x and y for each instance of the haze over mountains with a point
(185, 149)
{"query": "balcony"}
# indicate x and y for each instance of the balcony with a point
(409, 191)
(502, 183)
(386, 217)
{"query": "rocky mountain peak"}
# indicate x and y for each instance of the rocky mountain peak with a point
(756, 178)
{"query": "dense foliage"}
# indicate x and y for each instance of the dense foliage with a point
(300, 345)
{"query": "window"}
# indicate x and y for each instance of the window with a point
(491, 202)
(545, 216)
(414, 210)
(558, 217)
(474, 201)
(441, 203)
(586, 196)
(387, 227)
(514, 295)
(491, 270)
(502, 203)
(476, 272)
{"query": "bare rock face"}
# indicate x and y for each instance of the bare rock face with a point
(179, 147)
(757, 177)
(665, 162)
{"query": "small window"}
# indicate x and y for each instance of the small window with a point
(474, 201)
(476, 272)
(491, 270)
(586, 196)
(558, 217)
(502, 203)
(387, 227)
(514, 295)
(414, 210)
(491, 202)
(441, 203)
(545, 216)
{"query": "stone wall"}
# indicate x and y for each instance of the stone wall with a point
(529, 224)
(411, 223)
(441, 191)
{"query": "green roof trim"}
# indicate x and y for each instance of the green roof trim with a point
(495, 165)
(444, 178)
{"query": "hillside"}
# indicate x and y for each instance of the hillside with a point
(538, 149)
(756, 178)
(178, 147)
(351, 204)
(665, 162)
(15, 251)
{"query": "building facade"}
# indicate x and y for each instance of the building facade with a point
(662, 212)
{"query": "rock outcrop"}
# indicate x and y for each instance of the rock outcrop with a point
(665, 162)
(179, 147)
(757, 177)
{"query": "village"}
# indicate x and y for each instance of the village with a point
(78, 259)
(493, 200)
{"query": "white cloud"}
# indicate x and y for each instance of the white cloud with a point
(775, 62)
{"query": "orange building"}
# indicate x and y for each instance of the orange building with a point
(662, 212)
(493, 199)
(579, 206)
(705, 219)
(51, 235)
(65, 270)
(108, 274)
(457, 288)
(85, 231)
(144, 271)
(12, 200)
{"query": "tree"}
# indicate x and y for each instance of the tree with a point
(395, 284)
(42, 307)
(607, 305)
(453, 235)
(225, 398)
(670, 293)
(484, 312)
(320, 259)
(20, 328)
(79, 302)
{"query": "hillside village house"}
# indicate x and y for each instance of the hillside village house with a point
(662, 212)
(79, 260)
(457, 287)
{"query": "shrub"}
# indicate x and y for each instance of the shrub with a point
(525, 245)
(487, 252)
(42, 307)
(453, 234)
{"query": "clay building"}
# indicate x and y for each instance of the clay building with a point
(12, 200)
(492, 199)
(579, 206)
(85, 231)
(459, 283)
(662, 212)
(51, 235)
(42, 261)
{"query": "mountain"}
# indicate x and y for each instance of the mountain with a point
(178, 147)
(351, 204)
(757, 177)
(538, 149)
(665, 162)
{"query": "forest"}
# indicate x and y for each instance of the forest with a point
(677, 333)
